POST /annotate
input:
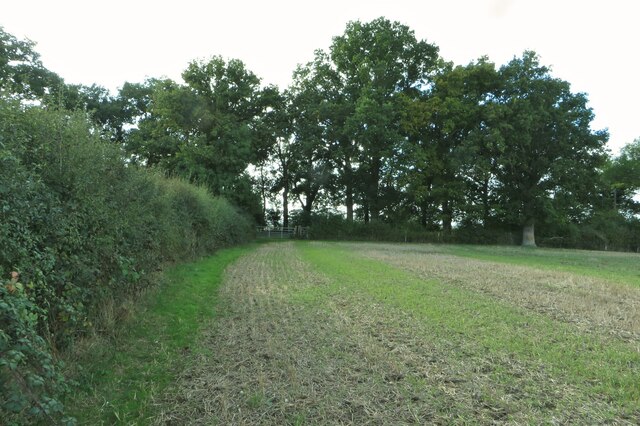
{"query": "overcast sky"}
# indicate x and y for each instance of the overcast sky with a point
(593, 44)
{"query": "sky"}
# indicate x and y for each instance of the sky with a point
(593, 44)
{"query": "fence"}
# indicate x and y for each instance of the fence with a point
(282, 232)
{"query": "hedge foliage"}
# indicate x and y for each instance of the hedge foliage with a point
(335, 227)
(78, 224)
(605, 231)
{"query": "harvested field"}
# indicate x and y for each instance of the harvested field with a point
(591, 304)
(326, 333)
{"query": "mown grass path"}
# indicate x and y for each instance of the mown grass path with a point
(327, 333)
(120, 376)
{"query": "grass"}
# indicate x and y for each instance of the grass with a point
(613, 266)
(589, 303)
(361, 333)
(596, 364)
(121, 376)
(321, 333)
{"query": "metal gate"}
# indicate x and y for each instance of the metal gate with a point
(282, 232)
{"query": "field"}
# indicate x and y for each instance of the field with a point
(337, 333)
(346, 333)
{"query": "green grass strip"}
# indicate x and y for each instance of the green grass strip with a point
(612, 266)
(599, 366)
(120, 376)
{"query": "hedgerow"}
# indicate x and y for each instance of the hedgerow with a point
(605, 231)
(79, 225)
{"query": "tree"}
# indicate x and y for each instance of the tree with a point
(622, 175)
(375, 62)
(275, 128)
(313, 175)
(111, 113)
(152, 141)
(216, 112)
(22, 74)
(448, 153)
(320, 108)
(549, 146)
(314, 111)
(207, 129)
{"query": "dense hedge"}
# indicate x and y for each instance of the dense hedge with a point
(335, 227)
(79, 225)
(609, 231)
(606, 230)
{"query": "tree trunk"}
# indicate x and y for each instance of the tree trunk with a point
(485, 201)
(306, 215)
(423, 215)
(446, 216)
(528, 235)
(263, 192)
(374, 189)
(308, 206)
(365, 208)
(285, 207)
(285, 190)
(375, 213)
(424, 207)
(349, 191)
(349, 202)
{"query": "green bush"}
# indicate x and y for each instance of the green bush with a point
(29, 376)
(81, 225)
(605, 230)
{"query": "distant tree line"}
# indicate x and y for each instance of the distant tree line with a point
(380, 128)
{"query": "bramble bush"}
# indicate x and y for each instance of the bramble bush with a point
(80, 226)
(29, 376)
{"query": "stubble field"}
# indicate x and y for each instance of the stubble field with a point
(346, 333)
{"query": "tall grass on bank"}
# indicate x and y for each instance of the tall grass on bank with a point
(79, 225)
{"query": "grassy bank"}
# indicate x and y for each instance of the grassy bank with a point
(120, 376)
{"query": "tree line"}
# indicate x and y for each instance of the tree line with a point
(378, 132)
(379, 128)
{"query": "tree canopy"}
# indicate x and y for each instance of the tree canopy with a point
(22, 74)
(378, 128)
